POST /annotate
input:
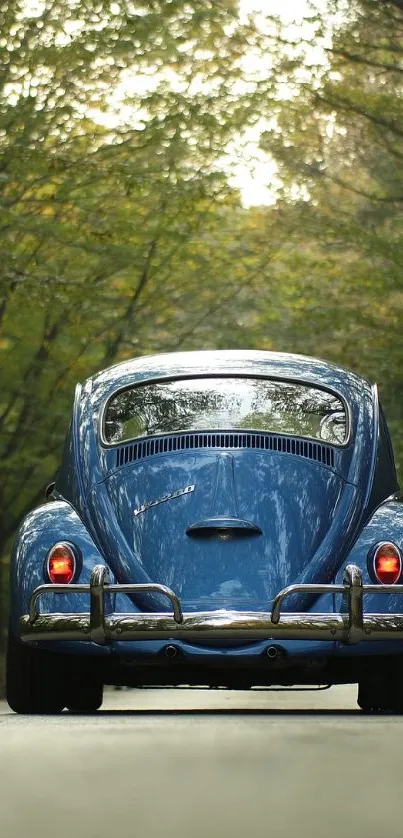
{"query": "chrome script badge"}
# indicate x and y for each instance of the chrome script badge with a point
(171, 496)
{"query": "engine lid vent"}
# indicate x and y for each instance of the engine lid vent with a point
(258, 441)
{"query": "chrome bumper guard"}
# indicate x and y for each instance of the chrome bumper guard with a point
(351, 625)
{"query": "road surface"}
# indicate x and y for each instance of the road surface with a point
(204, 764)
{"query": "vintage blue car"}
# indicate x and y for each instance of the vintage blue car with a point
(221, 518)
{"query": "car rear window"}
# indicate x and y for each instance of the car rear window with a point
(218, 403)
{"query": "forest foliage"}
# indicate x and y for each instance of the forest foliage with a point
(121, 235)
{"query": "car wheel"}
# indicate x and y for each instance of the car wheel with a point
(33, 682)
(84, 691)
(86, 699)
(382, 690)
(370, 698)
(395, 693)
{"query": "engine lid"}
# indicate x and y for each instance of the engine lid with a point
(223, 530)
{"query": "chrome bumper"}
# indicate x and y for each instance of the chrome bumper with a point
(351, 625)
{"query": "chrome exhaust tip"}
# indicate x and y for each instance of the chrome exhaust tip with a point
(274, 652)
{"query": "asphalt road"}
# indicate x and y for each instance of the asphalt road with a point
(204, 764)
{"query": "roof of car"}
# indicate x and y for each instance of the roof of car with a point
(226, 362)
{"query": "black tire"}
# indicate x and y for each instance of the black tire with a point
(33, 679)
(370, 698)
(87, 699)
(84, 690)
(382, 691)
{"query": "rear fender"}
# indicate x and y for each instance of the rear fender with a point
(39, 531)
(386, 524)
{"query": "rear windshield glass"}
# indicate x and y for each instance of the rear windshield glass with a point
(200, 404)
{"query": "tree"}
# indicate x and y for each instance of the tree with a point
(338, 141)
(115, 240)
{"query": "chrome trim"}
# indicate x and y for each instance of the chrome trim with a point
(178, 494)
(351, 625)
(354, 602)
(98, 587)
(99, 578)
(296, 589)
(50, 588)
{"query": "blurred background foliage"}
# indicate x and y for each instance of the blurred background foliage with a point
(121, 234)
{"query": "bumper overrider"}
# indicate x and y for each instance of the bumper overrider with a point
(350, 625)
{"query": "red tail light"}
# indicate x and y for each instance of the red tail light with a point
(61, 564)
(387, 563)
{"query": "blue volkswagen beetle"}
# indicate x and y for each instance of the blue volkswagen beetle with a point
(220, 518)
